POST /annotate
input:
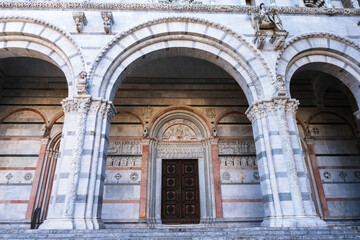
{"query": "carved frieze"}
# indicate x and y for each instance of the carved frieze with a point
(241, 161)
(236, 147)
(179, 132)
(125, 148)
(180, 150)
(127, 161)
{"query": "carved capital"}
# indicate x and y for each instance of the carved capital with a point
(108, 20)
(291, 107)
(80, 20)
(110, 111)
(253, 112)
(79, 104)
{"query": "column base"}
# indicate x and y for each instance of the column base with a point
(293, 221)
(70, 223)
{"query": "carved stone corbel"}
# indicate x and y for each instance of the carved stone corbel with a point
(278, 39)
(80, 20)
(259, 39)
(108, 21)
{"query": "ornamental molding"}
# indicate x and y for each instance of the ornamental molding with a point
(259, 56)
(180, 150)
(305, 36)
(44, 23)
(172, 7)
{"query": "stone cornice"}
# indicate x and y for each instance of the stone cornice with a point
(171, 7)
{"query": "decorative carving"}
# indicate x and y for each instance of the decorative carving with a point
(226, 176)
(176, 1)
(169, 7)
(118, 176)
(9, 176)
(125, 147)
(211, 114)
(314, 131)
(214, 130)
(343, 175)
(146, 112)
(123, 161)
(81, 85)
(108, 21)
(259, 39)
(27, 176)
(242, 176)
(280, 86)
(278, 39)
(256, 176)
(134, 176)
(250, 161)
(76, 104)
(45, 130)
(357, 174)
(179, 132)
(327, 175)
(82, 105)
(146, 130)
(271, 108)
(267, 19)
(236, 147)
(180, 150)
(80, 20)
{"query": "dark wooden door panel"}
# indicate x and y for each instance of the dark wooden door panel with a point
(180, 192)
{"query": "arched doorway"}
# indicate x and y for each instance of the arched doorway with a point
(31, 92)
(327, 111)
(181, 108)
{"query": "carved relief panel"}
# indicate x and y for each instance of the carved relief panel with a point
(124, 154)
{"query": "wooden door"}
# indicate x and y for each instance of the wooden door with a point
(180, 203)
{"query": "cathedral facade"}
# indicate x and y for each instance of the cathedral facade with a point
(149, 113)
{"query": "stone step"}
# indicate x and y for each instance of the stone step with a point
(189, 233)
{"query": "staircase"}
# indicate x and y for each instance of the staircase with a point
(257, 233)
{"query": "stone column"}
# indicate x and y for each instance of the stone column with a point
(76, 196)
(283, 177)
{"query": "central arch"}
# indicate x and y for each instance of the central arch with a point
(182, 37)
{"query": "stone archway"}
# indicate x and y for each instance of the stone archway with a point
(28, 37)
(188, 37)
(326, 52)
(180, 134)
